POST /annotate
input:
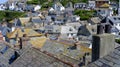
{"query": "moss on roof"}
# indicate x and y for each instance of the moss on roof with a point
(28, 32)
(38, 42)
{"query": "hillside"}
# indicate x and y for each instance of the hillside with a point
(9, 15)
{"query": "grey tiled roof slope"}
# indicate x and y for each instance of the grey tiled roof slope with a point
(35, 58)
(110, 60)
(4, 58)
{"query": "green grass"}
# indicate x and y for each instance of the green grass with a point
(64, 2)
(9, 15)
(117, 40)
(84, 14)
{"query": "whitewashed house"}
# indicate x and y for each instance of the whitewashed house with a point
(2, 7)
(68, 31)
(12, 6)
(91, 4)
(75, 18)
(104, 11)
(80, 5)
(37, 7)
(115, 22)
(58, 7)
(51, 9)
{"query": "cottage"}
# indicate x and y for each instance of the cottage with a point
(22, 21)
(91, 4)
(37, 22)
(54, 29)
(20, 6)
(58, 7)
(76, 25)
(37, 8)
(3, 7)
(59, 20)
(69, 5)
(68, 31)
(12, 6)
(29, 8)
(80, 5)
(94, 20)
(75, 18)
(104, 11)
(69, 11)
(114, 5)
(87, 30)
(98, 3)
(115, 22)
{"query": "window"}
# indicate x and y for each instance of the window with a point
(70, 29)
(118, 18)
(72, 34)
(93, 30)
(114, 18)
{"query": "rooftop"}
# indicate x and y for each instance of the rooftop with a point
(20, 32)
(105, 5)
(36, 58)
(38, 42)
(65, 51)
(110, 60)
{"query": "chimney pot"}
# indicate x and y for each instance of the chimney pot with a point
(100, 29)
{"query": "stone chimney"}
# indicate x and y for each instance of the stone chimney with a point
(103, 42)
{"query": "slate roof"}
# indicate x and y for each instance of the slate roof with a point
(105, 5)
(61, 50)
(35, 58)
(110, 60)
(95, 20)
(68, 29)
(53, 28)
(24, 20)
(28, 32)
(4, 58)
(38, 42)
(114, 19)
(36, 20)
(5, 30)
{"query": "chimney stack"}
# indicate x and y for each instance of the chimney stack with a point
(100, 29)
(108, 28)
(102, 45)
(103, 28)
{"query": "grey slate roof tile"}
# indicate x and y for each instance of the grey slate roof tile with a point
(35, 58)
(110, 60)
